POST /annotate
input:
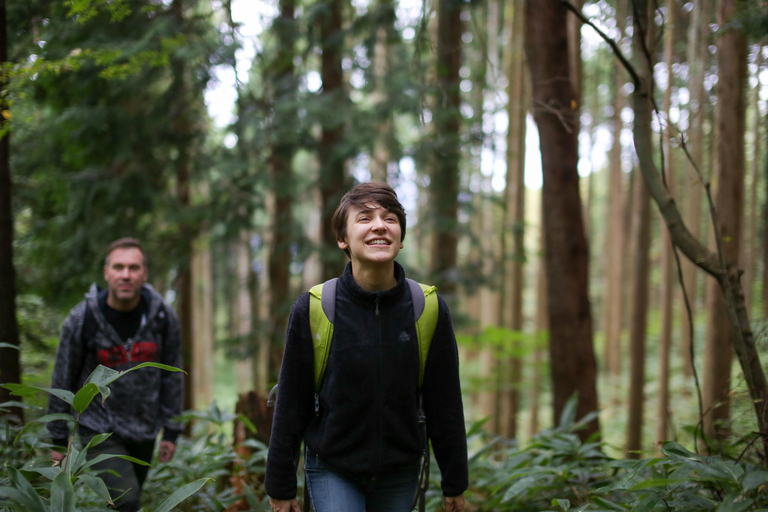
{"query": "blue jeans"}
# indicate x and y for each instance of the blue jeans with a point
(332, 490)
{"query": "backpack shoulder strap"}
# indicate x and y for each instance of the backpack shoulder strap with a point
(425, 310)
(322, 305)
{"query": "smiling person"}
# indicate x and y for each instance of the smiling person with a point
(121, 326)
(365, 398)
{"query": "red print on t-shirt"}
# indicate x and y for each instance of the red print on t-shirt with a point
(141, 352)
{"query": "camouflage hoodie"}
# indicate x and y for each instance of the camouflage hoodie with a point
(142, 401)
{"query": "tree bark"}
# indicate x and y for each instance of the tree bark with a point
(10, 358)
(641, 230)
(282, 147)
(732, 65)
(750, 231)
(382, 66)
(444, 183)
(614, 239)
(697, 59)
(514, 261)
(555, 111)
(202, 323)
(333, 182)
(668, 277)
(541, 328)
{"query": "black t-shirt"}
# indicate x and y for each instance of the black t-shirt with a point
(125, 323)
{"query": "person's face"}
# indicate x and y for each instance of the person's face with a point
(373, 235)
(125, 274)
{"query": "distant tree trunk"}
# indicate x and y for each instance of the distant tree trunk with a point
(668, 277)
(514, 261)
(732, 65)
(697, 60)
(765, 234)
(183, 164)
(542, 333)
(202, 323)
(382, 154)
(567, 256)
(641, 230)
(333, 182)
(241, 312)
(615, 233)
(282, 147)
(750, 231)
(10, 358)
(444, 185)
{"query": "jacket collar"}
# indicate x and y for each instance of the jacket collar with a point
(355, 292)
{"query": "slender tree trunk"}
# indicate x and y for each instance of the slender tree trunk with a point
(282, 147)
(615, 233)
(242, 310)
(750, 231)
(183, 164)
(381, 154)
(202, 323)
(668, 277)
(697, 59)
(765, 233)
(567, 256)
(641, 230)
(732, 64)
(515, 198)
(444, 185)
(10, 360)
(542, 332)
(333, 182)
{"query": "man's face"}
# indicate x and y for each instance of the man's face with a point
(125, 274)
(373, 235)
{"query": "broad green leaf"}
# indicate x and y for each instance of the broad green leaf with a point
(84, 397)
(568, 416)
(736, 502)
(8, 345)
(25, 391)
(181, 494)
(247, 422)
(20, 405)
(48, 472)
(608, 505)
(62, 494)
(656, 482)
(106, 456)
(98, 486)
(754, 479)
(563, 504)
(42, 419)
(26, 494)
(102, 376)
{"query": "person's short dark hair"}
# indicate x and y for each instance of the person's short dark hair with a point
(125, 243)
(362, 195)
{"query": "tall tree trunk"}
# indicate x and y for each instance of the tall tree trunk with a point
(10, 358)
(615, 233)
(668, 277)
(241, 311)
(732, 65)
(333, 182)
(697, 61)
(444, 185)
(750, 231)
(567, 256)
(515, 198)
(282, 147)
(765, 232)
(183, 171)
(202, 323)
(641, 230)
(542, 333)
(381, 154)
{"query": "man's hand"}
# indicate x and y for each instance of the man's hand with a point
(57, 457)
(284, 505)
(167, 450)
(454, 504)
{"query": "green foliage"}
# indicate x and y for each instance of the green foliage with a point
(28, 483)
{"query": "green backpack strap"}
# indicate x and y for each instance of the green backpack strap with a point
(425, 310)
(322, 304)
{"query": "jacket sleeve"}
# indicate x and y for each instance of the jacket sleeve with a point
(172, 383)
(66, 369)
(443, 406)
(294, 408)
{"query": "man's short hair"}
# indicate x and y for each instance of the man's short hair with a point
(125, 243)
(362, 195)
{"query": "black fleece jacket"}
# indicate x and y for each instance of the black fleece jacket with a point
(367, 422)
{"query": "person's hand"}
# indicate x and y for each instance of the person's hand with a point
(284, 505)
(453, 504)
(57, 457)
(167, 449)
